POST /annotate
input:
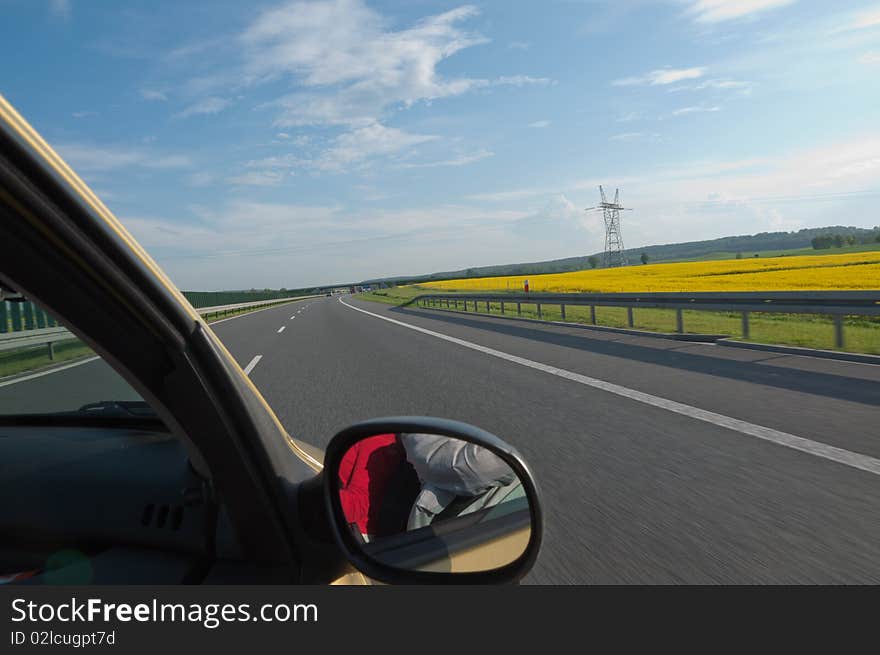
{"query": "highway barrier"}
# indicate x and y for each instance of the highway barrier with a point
(17, 316)
(225, 310)
(219, 298)
(836, 304)
(32, 326)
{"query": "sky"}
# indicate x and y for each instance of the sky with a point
(292, 144)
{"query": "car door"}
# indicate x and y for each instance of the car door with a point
(62, 249)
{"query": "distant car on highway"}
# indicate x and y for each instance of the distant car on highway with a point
(150, 457)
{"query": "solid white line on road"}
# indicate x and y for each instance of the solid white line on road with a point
(58, 369)
(281, 329)
(49, 372)
(816, 448)
(252, 364)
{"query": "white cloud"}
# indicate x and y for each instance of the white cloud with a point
(461, 160)
(249, 227)
(352, 67)
(799, 188)
(715, 83)
(367, 142)
(259, 244)
(239, 224)
(870, 59)
(865, 19)
(662, 76)
(507, 196)
(694, 110)
(371, 193)
(84, 114)
(634, 136)
(540, 124)
(354, 64)
(707, 199)
(348, 149)
(347, 66)
(201, 179)
(60, 9)
(723, 84)
(196, 48)
(522, 80)
(663, 175)
(154, 94)
(207, 106)
(627, 136)
(257, 178)
(105, 158)
(283, 162)
(716, 11)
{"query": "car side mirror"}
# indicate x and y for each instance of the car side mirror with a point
(426, 500)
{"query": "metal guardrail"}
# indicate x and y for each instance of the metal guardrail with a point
(226, 309)
(834, 303)
(218, 298)
(27, 338)
(50, 336)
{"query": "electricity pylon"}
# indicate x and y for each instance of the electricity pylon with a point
(615, 254)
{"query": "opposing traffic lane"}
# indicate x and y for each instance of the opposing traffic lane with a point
(63, 388)
(633, 493)
(68, 386)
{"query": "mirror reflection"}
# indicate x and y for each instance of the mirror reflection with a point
(433, 503)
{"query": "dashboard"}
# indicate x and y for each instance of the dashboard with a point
(86, 504)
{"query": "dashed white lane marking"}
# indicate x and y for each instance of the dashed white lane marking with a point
(57, 369)
(293, 317)
(252, 364)
(251, 313)
(281, 329)
(818, 449)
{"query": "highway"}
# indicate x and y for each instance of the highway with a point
(633, 492)
(659, 461)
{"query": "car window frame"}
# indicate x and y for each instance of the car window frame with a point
(50, 215)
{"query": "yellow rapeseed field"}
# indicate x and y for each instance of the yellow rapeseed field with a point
(848, 271)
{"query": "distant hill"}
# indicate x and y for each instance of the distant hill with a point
(712, 248)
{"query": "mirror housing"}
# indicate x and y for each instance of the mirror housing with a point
(357, 551)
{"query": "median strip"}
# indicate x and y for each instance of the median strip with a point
(815, 448)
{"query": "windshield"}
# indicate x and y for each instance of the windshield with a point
(45, 369)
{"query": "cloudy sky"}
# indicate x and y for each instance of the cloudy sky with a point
(288, 144)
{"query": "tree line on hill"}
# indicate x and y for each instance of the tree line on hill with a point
(826, 241)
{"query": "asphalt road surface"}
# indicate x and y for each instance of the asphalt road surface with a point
(633, 492)
(659, 461)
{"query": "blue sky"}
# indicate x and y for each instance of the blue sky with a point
(274, 144)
